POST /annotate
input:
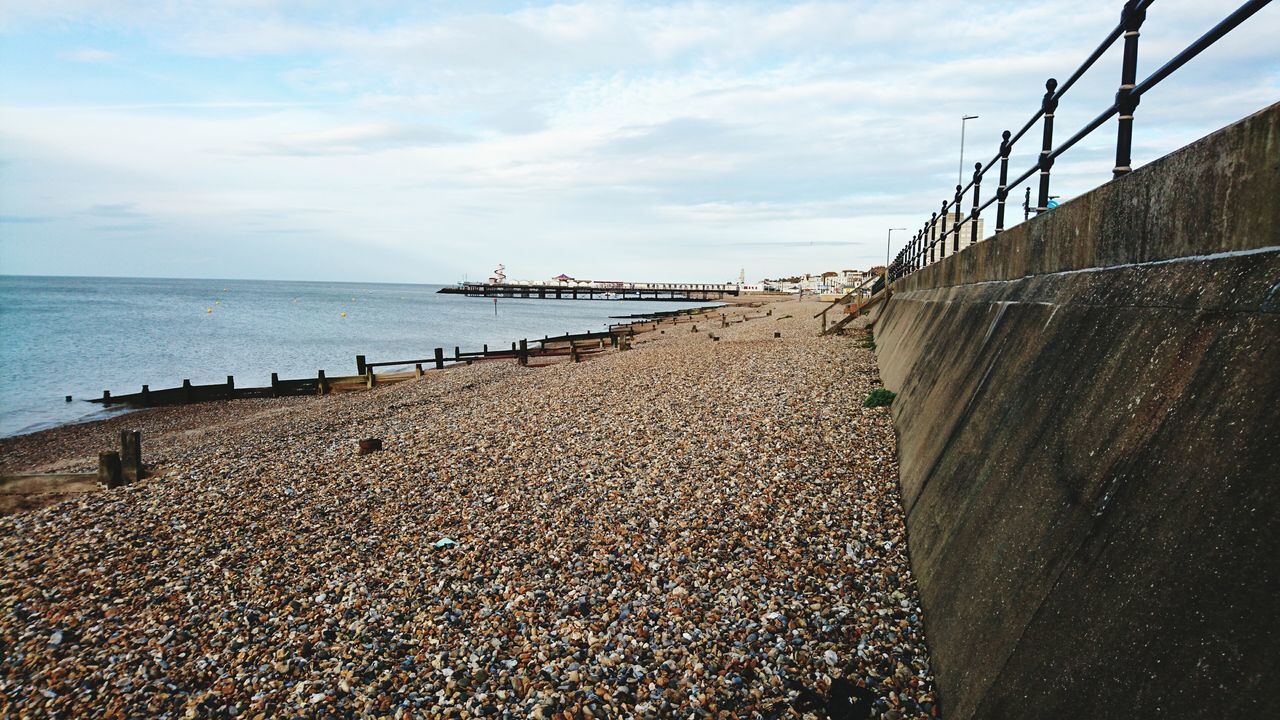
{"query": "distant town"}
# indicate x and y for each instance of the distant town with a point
(830, 282)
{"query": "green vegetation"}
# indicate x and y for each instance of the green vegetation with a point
(879, 397)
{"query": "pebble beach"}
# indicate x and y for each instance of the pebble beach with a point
(690, 528)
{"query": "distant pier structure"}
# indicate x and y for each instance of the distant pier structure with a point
(564, 287)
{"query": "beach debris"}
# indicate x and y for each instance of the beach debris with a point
(370, 445)
(444, 543)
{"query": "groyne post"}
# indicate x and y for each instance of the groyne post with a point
(186, 390)
(369, 380)
(231, 386)
(417, 370)
(275, 384)
(439, 358)
(146, 395)
(524, 352)
(109, 469)
(322, 385)
(131, 455)
(359, 364)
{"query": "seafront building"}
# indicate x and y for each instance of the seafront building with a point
(827, 282)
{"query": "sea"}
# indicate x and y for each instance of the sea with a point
(78, 336)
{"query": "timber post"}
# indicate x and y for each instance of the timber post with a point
(359, 364)
(275, 384)
(524, 352)
(231, 386)
(109, 469)
(417, 370)
(322, 385)
(131, 455)
(439, 358)
(186, 391)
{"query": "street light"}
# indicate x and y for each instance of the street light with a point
(960, 174)
(887, 243)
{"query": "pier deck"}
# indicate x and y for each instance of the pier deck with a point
(646, 291)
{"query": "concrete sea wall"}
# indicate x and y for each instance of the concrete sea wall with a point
(1089, 434)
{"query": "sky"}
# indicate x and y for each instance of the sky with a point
(667, 142)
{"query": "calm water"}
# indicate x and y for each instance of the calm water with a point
(80, 336)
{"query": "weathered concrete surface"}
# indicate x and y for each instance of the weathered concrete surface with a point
(1089, 434)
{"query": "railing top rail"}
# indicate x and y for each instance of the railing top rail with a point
(1242, 13)
(921, 248)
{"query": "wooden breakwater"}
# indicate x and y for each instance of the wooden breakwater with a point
(575, 346)
(855, 303)
(27, 491)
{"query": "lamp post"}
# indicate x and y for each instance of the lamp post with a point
(887, 244)
(960, 174)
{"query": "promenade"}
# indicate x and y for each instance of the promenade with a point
(689, 528)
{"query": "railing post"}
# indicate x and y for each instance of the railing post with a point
(977, 196)
(1049, 104)
(955, 247)
(933, 236)
(1003, 193)
(942, 234)
(1131, 17)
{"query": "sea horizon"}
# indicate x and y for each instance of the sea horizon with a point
(80, 335)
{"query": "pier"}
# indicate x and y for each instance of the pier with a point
(672, 292)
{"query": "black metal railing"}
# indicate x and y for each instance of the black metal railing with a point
(930, 243)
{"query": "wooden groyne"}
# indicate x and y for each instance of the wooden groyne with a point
(575, 346)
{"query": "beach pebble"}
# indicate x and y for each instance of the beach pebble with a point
(687, 529)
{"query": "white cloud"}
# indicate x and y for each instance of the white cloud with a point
(90, 55)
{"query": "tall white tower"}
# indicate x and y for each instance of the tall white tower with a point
(742, 277)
